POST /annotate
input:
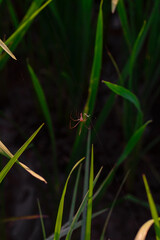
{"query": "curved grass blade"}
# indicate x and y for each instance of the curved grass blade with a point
(61, 205)
(46, 113)
(152, 208)
(4, 151)
(142, 233)
(125, 93)
(11, 162)
(90, 199)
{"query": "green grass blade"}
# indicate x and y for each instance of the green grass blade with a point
(152, 208)
(5, 152)
(41, 218)
(96, 67)
(125, 93)
(124, 22)
(17, 36)
(61, 205)
(74, 195)
(46, 113)
(94, 80)
(12, 13)
(127, 150)
(112, 206)
(86, 180)
(8, 166)
(80, 209)
(90, 198)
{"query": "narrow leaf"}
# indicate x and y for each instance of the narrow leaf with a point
(6, 49)
(61, 205)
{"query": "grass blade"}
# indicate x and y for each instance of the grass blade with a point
(114, 5)
(125, 93)
(11, 162)
(61, 205)
(80, 209)
(46, 113)
(152, 208)
(86, 180)
(5, 152)
(6, 49)
(90, 197)
(74, 195)
(41, 218)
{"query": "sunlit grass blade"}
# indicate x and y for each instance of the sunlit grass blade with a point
(112, 206)
(17, 36)
(90, 199)
(61, 205)
(142, 232)
(80, 209)
(74, 195)
(11, 162)
(4, 151)
(6, 49)
(64, 229)
(41, 218)
(152, 208)
(46, 113)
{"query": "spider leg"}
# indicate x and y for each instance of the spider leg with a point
(74, 125)
(75, 120)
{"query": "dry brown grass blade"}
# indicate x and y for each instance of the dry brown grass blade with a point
(4, 151)
(142, 233)
(114, 5)
(6, 49)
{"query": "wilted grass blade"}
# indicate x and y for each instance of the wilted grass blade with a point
(8, 166)
(90, 199)
(6, 49)
(114, 5)
(152, 208)
(29, 217)
(61, 205)
(142, 233)
(4, 151)
(41, 218)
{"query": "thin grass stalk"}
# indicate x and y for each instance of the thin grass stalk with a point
(41, 218)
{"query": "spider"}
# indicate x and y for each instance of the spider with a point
(79, 120)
